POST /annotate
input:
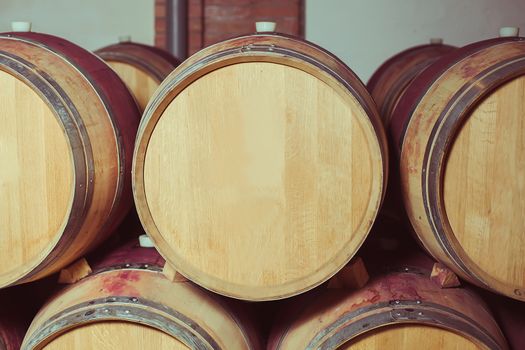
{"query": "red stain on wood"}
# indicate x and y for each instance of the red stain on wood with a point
(122, 284)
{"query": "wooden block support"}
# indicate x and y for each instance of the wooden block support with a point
(74, 272)
(171, 273)
(353, 276)
(444, 277)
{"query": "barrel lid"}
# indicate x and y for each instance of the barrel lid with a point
(264, 171)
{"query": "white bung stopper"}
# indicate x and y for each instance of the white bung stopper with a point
(265, 27)
(145, 241)
(20, 26)
(124, 38)
(508, 32)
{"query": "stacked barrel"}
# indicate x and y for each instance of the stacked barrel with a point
(258, 169)
(69, 125)
(458, 131)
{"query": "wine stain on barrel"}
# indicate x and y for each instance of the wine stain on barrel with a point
(121, 284)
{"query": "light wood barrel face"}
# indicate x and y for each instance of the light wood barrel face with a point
(484, 189)
(410, 337)
(115, 335)
(262, 179)
(139, 82)
(36, 177)
(462, 164)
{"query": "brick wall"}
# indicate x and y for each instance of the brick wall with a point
(162, 24)
(210, 21)
(195, 40)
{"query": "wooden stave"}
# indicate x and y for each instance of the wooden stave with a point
(441, 242)
(121, 114)
(125, 268)
(332, 318)
(198, 65)
(391, 79)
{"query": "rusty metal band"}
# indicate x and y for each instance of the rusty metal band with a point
(114, 123)
(398, 312)
(443, 133)
(129, 309)
(129, 266)
(134, 61)
(72, 124)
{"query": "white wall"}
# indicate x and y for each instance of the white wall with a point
(90, 23)
(364, 33)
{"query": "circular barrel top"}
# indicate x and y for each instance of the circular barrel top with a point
(142, 67)
(471, 146)
(259, 167)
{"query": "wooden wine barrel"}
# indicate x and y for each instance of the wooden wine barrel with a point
(68, 126)
(399, 310)
(128, 303)
(141, 67)
(391, 79)
(460, 132)
(259, 167)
